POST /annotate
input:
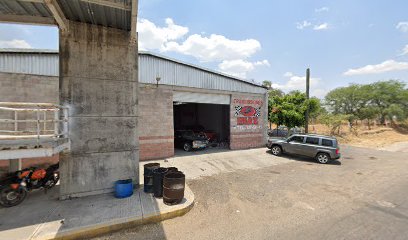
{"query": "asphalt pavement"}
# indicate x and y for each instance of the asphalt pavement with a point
(362, 196)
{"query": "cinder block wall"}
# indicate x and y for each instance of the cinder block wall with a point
(156, 134)
(17, 87)
(251, 133)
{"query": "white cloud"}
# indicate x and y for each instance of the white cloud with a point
(240, 67)
(322, 9)
(15, 43)
(288, 74)
(303, 25)
(318, 92)
(323, 26)
(295, 82)
(230, 55)
(215, 48)
(402, 26)
(154, 37)
(405, 50)
(386, 66)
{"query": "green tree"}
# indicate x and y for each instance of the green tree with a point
(390, 98)
(272, 91)
(368, 113)
(384, 99)
(275, 92)
(267, 84)
(315, 107)
(290, 109)
(333, 121)
(348, 101)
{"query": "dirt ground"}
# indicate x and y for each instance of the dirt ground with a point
(363, 196)
(378, 137)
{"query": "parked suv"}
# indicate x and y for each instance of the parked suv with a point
(322, 148)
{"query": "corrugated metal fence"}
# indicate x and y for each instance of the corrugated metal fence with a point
(29, 63)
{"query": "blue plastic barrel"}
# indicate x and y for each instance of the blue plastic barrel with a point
(123, 188)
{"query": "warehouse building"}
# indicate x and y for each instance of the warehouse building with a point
(173, 95)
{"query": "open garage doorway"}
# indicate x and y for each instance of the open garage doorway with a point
(201, 127)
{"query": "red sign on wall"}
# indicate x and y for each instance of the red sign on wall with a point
(247, 115)
(247, 121)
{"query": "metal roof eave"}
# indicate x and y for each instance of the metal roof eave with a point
(200, 68)
(109, 13)
(146, 53)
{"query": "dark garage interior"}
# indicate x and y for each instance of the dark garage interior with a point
(211, 119)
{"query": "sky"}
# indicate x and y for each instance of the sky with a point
(342, 42)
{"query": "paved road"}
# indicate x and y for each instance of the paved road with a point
(362, 197)
(397, 147)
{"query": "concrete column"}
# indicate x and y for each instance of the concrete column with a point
(15, 165)
(265, 117)
(98, 82)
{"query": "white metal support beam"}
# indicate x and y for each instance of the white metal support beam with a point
(10, 18)
(133, 22)
(33, 152)
(57, 13)
(111, 4)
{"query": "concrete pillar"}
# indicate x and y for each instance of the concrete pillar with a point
(98, 82)
(15, 165)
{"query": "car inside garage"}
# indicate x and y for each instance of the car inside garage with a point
(201, 121)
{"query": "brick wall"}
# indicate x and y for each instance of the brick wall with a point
(16, 87)
(156, 134)
(248, 127)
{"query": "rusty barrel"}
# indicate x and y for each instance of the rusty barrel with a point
(158, 175)
(148, 176)
(173, 188)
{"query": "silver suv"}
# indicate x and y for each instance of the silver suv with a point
(322, 148)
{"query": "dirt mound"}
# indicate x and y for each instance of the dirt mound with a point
(378, 137)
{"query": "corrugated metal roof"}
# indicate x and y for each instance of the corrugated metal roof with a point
(87, 11)
(171, 72)
(24, 8)
(177, 73)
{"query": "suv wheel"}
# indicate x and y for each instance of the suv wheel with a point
(276, 150)
(323, 158)
(187, 147)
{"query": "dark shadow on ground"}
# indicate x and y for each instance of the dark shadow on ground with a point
(180, 152)
(44, 208)
(304, 159)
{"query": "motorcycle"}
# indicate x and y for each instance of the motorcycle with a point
(15, 186)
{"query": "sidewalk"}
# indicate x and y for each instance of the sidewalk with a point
(42, 216)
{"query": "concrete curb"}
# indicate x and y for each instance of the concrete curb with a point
(120, 223)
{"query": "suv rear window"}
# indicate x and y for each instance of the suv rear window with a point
(327, 142)
(312, 140)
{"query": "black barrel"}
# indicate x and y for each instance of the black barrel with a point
(172, 169)
(158, 175)
(173, 188)
(148, 176)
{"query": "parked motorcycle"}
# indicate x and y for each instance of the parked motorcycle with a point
(15, 186)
